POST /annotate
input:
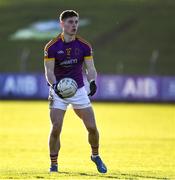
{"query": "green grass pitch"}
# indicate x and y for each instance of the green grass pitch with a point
(137, 142)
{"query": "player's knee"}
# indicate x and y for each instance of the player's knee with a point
(56, 129)
(92, 130)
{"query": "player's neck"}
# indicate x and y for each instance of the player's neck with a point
(67, 38)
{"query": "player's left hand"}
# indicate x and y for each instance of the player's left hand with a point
(93, 88)
(54, 86)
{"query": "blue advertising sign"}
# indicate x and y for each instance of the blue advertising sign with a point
(22, 86)
(110, 87)
(128, 88)
(168, 89)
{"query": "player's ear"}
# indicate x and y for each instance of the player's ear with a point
(61, 24)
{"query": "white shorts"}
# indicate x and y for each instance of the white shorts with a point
(79, 101)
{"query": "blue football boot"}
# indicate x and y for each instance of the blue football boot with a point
(99, 163)
(54, 168)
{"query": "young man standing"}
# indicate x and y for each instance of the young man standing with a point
(64, 57)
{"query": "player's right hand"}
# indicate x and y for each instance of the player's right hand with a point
(54, 86)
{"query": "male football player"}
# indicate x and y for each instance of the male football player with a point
(64, 56)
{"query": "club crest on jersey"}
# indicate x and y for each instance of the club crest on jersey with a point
(60, 52)
(68, 50)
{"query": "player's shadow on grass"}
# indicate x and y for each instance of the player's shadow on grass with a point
(118, 175)
(91, 175)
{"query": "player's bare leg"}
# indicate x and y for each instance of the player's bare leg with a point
(87, 115)
(56, 116)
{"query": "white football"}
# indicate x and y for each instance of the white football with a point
(67, 87)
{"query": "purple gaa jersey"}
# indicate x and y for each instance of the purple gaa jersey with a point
(68, 57)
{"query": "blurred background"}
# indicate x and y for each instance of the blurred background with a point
(133, 42)
(134, 53)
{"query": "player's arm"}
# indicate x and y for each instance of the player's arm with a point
(49, 71)
(50, 76)
(49, 65)
(90, 70)
(91, 74)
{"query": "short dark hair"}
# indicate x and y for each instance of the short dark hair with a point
(68, 13)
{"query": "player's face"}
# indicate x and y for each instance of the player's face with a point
(70, 25)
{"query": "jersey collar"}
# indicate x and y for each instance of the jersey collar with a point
(62, 38)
